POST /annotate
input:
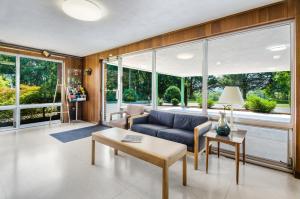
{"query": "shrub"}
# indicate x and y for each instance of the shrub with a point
(111, 96)
(160, 101)
(171, 93)
(258, 104)
(175, 102)
(129, 95)
(210, 102)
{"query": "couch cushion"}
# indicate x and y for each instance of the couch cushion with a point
(177, 135)
(161, 118)
(188, 122)
(148, 129)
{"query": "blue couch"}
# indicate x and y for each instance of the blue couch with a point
(181, 128)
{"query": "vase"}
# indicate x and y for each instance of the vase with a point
(223, 128)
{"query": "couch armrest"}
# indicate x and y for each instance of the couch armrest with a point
(139, 119)
(199, 131)
(203, 128)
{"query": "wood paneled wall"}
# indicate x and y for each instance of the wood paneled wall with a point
(69, 61)
(92, 84)
(261, 16)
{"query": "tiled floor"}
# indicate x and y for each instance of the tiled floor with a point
(35, 165)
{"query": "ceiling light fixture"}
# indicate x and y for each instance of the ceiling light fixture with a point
(277, 47)
(185, 56)
(276, 57)
(218, 63)
(85, 10)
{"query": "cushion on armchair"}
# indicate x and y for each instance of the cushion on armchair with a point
(188, 122)
(161, 118)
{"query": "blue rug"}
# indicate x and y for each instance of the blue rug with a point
(76, 134)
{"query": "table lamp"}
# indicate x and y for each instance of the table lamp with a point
(231, 96)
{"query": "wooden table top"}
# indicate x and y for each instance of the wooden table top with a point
(234, 136)
(158, 147)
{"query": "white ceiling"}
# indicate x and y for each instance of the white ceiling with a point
(244, 52)
(42, 24)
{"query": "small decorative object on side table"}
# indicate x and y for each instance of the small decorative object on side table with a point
(235, 138)
(222, 128)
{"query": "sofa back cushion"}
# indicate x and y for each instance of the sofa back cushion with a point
(161, 118)
(188, 122)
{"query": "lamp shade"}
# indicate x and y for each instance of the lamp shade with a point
(231, 95)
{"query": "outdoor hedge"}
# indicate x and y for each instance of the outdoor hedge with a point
(129, 95)
(210, 102)
(260, 105)
(175, 102)
(171, 93)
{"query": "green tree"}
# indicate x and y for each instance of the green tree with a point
(280, 86)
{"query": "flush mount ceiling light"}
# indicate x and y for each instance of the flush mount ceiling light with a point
(277, 47)
(85, 10)
(276, 57)
(218, 63)
(185, 56)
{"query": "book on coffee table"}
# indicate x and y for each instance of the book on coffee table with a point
(132, 138)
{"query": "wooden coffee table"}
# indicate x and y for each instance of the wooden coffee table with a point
(236, 138)
(160, 152)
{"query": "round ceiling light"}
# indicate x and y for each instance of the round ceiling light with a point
(185, 56)
(277, 47)
(85, 10)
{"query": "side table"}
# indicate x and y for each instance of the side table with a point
(235, 138)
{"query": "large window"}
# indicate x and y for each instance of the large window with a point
(137, 79)
(179, 70)
(27, 87)
(258, 62)
(136, 86)
(191, 77)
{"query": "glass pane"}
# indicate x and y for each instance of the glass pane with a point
(137, 86)
(7, 118)
(258, 62)
(34, 115)
(262, 142)
(179, 71)
(7, 80)
(137, 79)
(111, 90)
(38, 81)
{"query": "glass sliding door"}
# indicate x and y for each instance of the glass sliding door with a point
(111, 92)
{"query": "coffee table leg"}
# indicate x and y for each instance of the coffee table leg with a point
(93, 152)
(184, 170)
(244, 151)
(218, 149)
(237, 162)
(165, 182)
(116, 151)
(207, 152)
